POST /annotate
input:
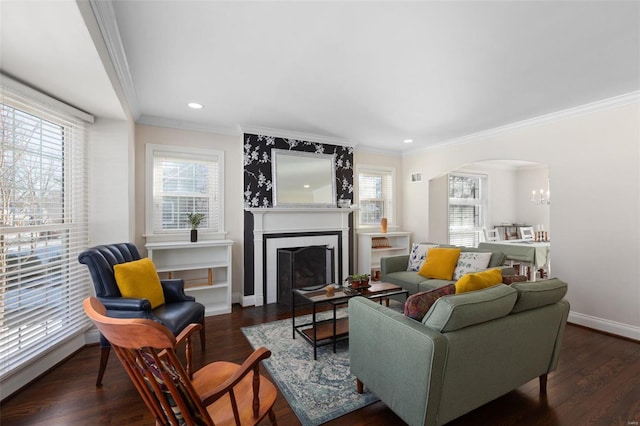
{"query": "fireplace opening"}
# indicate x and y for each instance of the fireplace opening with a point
(309, 267)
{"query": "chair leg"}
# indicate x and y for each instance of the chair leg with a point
(543, 384)
(272, 418)
(104, 358)
(359, 386)
(202, 341)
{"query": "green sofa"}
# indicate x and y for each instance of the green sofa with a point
(394, 270)
(469, 349)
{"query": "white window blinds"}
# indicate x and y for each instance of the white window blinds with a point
(186, 183)
(43, 228)
(375, 195)
(467, 198)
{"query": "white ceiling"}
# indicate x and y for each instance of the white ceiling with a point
(370, 73)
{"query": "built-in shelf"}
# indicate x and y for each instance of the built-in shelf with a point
(369, 254)
(204, 265)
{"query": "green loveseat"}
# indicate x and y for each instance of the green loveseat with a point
(469, 349)
(394, 270)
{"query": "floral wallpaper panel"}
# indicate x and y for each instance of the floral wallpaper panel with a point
(258, 183)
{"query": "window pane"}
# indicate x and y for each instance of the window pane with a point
(375, 196)
(44, 215)
(185, 185)
(465, 209)
(464, 187)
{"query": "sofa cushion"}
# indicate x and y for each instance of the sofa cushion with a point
(440, 263)
(457, 311)
(418, 304)
(469, 261)
(139, 279)
(418, 255)
(532, 295)
(479, 280)
(497, 257)
(432, 283)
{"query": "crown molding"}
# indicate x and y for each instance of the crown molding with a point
(616, 101)
(187, 125)
(288, 134)
(381, 151)
(108, 25)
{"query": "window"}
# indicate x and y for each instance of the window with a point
(184, 181)
(375, 195)
(467, 201)
(43, 228)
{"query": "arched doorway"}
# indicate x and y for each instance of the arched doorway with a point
(489, 194)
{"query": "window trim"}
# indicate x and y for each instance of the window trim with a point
(364, 168)
(75, 225)
(172, 235)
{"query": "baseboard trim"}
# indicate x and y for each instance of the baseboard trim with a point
(92, 336)
(248, 301)
(607, 326)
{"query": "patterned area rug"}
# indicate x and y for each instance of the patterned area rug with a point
(317, 391)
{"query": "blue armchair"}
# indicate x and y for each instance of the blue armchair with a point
(178, 311)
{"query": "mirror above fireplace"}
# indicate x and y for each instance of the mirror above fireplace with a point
(303, 179)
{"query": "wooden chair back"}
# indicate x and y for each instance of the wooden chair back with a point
(146, 350)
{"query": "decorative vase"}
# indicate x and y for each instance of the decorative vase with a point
(194, 235)
(383, 225)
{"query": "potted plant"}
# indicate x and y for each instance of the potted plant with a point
(364, 280)
(358, 280)
(194, 220)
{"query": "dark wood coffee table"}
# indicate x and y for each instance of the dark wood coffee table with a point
(330, 331)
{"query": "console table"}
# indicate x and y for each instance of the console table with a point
(191, 261)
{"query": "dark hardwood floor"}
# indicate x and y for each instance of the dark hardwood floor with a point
(597, 383)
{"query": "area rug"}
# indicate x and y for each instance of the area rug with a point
(317, 391)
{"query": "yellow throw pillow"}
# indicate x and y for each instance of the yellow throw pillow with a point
(440, 263)
(139, 279)
(479, 280)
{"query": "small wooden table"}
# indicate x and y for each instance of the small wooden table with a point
(330, 331)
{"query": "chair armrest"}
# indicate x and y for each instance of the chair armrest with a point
(393, 264)
(125, 304)
(398, 359)
(174, 291)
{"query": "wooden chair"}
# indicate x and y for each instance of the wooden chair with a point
(221, 393)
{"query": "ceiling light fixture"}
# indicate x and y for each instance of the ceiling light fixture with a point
(408, 141)
(306, 186)
(194, 105)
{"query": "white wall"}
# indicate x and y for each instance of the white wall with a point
(111, 178)
(233, 192)
(593, 160)
(528, 179)
(438, 210)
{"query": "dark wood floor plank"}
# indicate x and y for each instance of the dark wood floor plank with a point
(597, 383)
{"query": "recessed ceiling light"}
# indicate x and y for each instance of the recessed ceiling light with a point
(194, 105)
(408, 141)
(307, 186)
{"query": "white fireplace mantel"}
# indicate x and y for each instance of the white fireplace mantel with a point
(294, 223)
